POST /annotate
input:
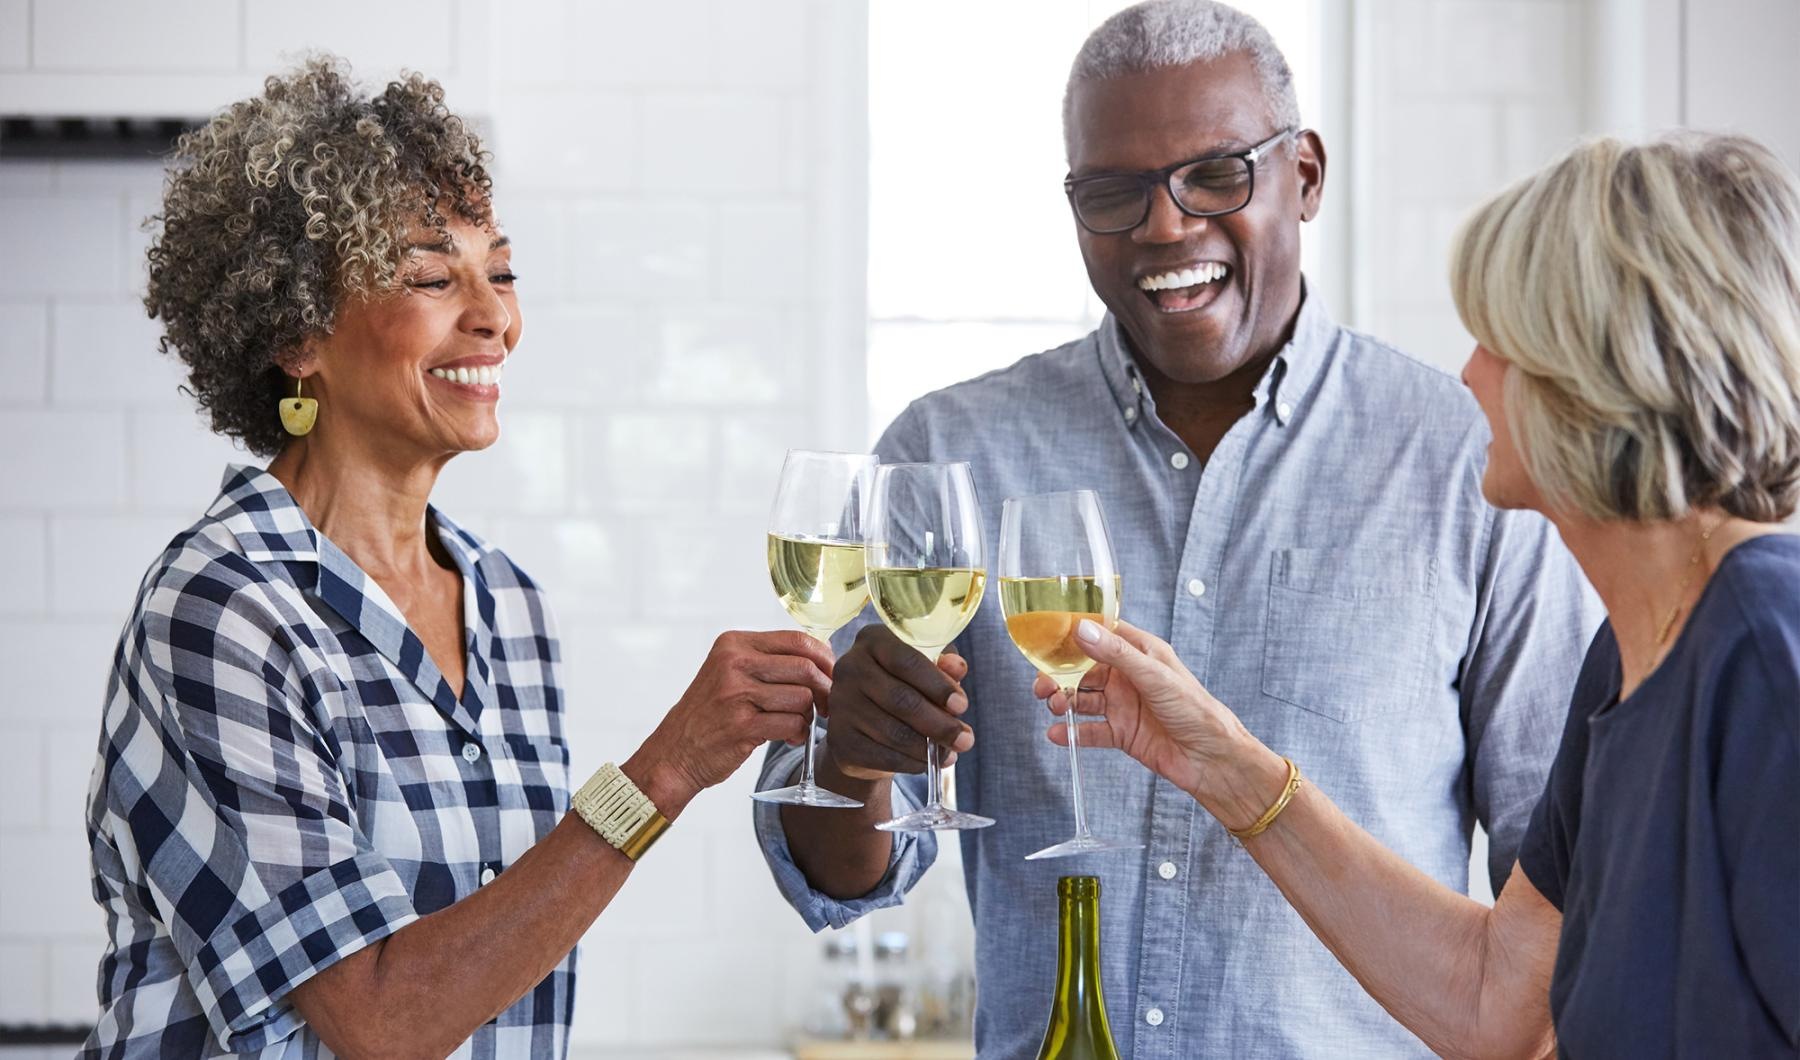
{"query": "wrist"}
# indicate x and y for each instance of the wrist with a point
(829, 776)
(1243, 783)
(661, 781)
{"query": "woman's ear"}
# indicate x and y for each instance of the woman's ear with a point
(300, 362)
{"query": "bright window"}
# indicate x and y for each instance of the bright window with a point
(972, 255)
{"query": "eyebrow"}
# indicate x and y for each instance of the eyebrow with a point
(1217, 149)
(444, 246)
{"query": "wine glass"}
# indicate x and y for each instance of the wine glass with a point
(816, 563)
(927, 569)
(1057, 568)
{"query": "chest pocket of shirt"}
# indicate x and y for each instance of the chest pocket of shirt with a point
(1349, 630)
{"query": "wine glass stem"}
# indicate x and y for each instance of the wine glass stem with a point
(812, 742)
(1069, 693)
(934, 769)
(812, 722)
(934, 777)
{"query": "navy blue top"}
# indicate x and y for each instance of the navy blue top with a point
(1669, 832)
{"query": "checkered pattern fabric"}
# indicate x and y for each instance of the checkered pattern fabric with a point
(284, 777)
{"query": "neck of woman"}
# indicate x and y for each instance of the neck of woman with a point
(1650, 574)
(372, 508)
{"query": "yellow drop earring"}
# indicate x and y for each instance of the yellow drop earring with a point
(298, 413)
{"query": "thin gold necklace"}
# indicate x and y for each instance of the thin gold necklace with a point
(1662, 634)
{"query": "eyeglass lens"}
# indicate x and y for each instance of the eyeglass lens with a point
(1209, 186)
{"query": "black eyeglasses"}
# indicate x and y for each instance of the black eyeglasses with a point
(1213, 186)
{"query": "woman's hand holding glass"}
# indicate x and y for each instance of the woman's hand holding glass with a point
(752, 688)
(1148, 704)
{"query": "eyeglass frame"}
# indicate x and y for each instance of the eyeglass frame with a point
(1148, 179)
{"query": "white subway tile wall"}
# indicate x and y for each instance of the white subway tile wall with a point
(664, 173)
(1464, 97)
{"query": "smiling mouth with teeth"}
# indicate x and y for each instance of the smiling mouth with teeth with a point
(1183, 289)
(485, 375)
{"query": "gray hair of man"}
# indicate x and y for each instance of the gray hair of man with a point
(1163, 33)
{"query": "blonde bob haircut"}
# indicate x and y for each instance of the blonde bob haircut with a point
(1648, 299)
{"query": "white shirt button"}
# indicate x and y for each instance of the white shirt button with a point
(1178, 461)
(1284, 412)
(1130, 413)
(1166, 870)
(487, 875)
(1154, 1017)
(1196, 587)
(471, 751)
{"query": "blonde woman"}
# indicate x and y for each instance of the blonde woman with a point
(1638, 317)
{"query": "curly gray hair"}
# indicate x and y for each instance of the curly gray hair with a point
(1162, 33)
(285, 205)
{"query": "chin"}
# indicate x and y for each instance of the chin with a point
(1187, 349)
(1505, 494)
(474, 437)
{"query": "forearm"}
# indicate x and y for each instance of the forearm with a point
(419, 993)
(840, 851)
(1443, 964)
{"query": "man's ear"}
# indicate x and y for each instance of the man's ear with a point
(1309, 165)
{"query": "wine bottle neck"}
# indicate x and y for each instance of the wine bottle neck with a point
(1078, 1029)
(1078, 956)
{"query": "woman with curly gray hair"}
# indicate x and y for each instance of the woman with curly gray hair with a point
(1637, 310)
(329, 806)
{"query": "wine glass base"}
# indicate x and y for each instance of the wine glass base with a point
(807, 795)
(1086, 844)
(935, 820)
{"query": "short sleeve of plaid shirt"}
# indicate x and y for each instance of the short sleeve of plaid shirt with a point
(265, 805)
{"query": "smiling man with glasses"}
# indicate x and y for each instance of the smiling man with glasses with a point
(1295, 507)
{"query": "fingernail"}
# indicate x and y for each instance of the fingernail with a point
(964, 741)
(1089, 630)
(957, 703)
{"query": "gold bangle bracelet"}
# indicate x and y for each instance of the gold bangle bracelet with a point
(1268, 818)
(644, 837)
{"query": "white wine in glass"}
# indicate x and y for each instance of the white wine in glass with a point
(1056, 569)
(927, 570)
(816, 565)
(820, 583)
(1042, 613)
(928, 606)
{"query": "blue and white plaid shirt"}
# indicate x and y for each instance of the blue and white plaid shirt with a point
(284, 777)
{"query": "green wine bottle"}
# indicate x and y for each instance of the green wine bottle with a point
(1078, 1028)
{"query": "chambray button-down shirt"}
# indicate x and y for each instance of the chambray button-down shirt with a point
(1333, 575)
(285, 777)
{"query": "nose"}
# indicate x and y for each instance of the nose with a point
(484, 313)
(1470, 366)
(1165, 223)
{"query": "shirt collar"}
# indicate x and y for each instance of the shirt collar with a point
(259, 511)
(270, 526)
(1287, 380)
